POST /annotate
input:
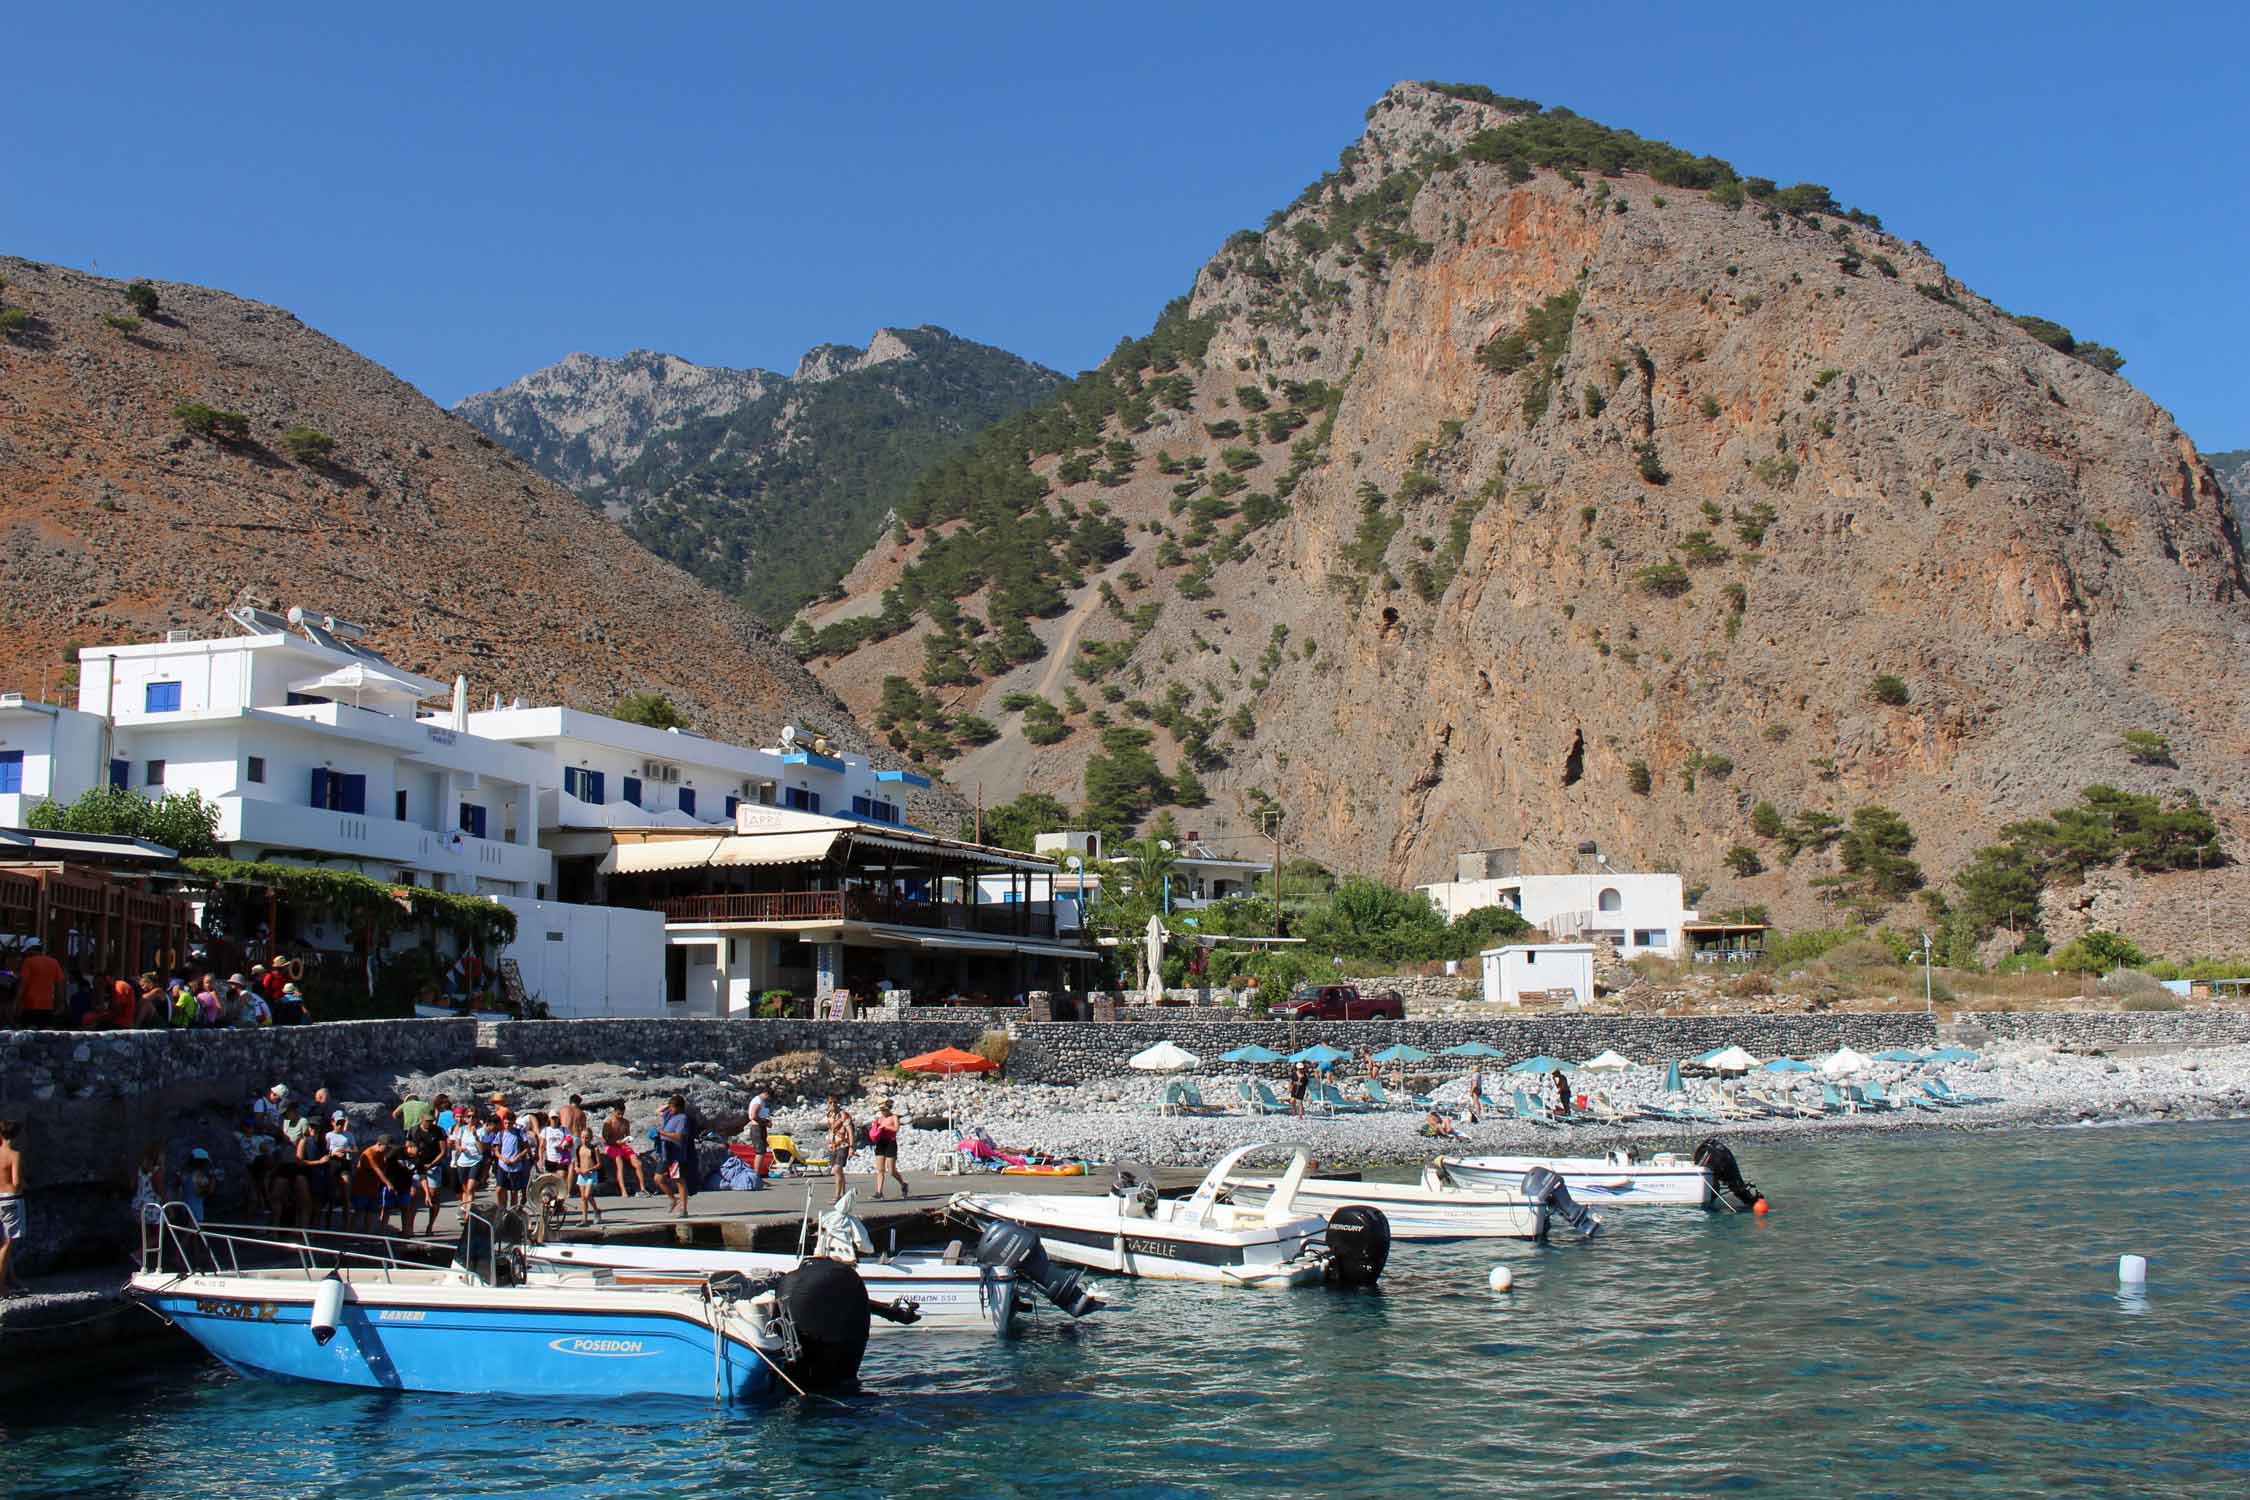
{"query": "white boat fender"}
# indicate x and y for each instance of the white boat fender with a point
(1501, 1280)
(2132, 1270)
(327, 1309)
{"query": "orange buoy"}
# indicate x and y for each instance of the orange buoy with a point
(1758, 1207)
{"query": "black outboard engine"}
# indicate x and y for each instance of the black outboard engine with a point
(1137, 1186)
(1726, 1174)
(1548, 1190)
(1359, 1245)
(1015, 1248)
(827, 1304)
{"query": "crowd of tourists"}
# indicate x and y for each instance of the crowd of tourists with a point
(40, 995)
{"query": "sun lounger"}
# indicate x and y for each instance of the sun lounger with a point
(1530, 1109)
(1191, 1099)
(1939, 1089)
(1834, 1103)
(1381, 1098)
(1331, 1098)
(1267, 1104)
(1168, 1102)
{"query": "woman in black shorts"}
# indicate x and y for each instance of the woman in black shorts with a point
(882, 1136)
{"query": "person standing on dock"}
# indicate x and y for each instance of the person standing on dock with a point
(675, 1142)
(759, 1129)
(617, 1145)
(11, 1207)
(39, 987)
(882, 1136)
(841, 1135)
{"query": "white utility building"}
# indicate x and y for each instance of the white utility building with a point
(1636, 913)
(1558, 973)
(47, 753)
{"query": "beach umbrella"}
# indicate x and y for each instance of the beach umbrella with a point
(1251, 1054)
(1672, 1077)
(1844, 1060)
(1164, 1057)
(1608, 1062)
(1950, 1054)
(1898, 1054)
(1789, 1065)
(948, 1060)
(1399, 1052)
(1705, 1058)
(1729, 1060)
(1319, 1052)
(1473, 1049)
(1539, 1064)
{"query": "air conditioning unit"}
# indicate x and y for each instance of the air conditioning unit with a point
(651, 769)
(174, 637)
(11, 700)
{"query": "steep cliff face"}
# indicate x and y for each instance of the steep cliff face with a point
(2233, 470)
(120, 523)
(581, 421)
(1491, 502)
(766, 487)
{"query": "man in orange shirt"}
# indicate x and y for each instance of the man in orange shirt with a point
(38, 985)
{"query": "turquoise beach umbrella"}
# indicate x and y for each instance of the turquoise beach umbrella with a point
(1789, 1065)
(1251, 1054)
(1672, 1076)
(1400, 1052)
(1950, 1054)
(1474, 1049)
(1319, 1052)
(1898, 1054)
(1539, 1064)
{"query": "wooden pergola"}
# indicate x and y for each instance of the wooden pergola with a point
(97, 920)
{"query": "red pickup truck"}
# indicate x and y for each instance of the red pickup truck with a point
(1339, 1002)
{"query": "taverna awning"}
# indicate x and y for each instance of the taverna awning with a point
(650, 856)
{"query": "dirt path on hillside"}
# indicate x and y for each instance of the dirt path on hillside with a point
(1059, 649)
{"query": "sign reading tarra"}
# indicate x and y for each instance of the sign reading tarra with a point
(1152, 1247)
(248, 1312)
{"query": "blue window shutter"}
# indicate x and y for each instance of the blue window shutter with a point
(630, 788)
(472, 820)
(120, 773)
(354, 799)
(687, 800)
(732, 804)
(162, 698)
(593, 787)
(11, 771)
(319, 787)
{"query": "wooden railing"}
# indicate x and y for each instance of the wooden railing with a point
(1002, 919)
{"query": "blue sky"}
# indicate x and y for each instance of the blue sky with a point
(466, 193)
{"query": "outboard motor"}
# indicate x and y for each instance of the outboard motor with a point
(1014, 1248)
(1547, 1189)
(1137, 1187)
(1726, 1174)
(827, 1305)
(1359, 1245)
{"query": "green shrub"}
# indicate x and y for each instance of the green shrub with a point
(1775, 471)
(13, 320)
(2098, 952)
(1708, 407)
(2145, 747)
(1651, 467)
(142, 298)
(209, 422)
(652, 709)
(1765, 820)
(1637, 777)
(1667, 580)
(1743, 861)
(121, 322)
(1887, 689)
(308, 445)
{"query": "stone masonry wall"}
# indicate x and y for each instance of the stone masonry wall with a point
(736, 1045)
(2208, 1028)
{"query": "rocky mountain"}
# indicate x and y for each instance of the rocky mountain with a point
(2233, 470)
(1527, 482)
(766, 487)
(157, 468)
(581, 421)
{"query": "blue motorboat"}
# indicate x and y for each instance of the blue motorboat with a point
(358, 1311)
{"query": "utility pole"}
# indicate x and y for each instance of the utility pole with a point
(1276, 830)
(980, 812)
(1929, 1005)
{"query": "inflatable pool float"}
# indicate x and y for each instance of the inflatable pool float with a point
(1051, 1169)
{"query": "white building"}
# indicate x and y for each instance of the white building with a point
(1541, 972)
(1638, 913)
(1198, 876)
(311, 749)
(47, 753)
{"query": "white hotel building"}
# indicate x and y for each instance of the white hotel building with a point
(1636, 913)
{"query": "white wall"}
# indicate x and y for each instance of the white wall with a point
(1509, 972)
(62, 756)
(1646, 906)
(589, 960)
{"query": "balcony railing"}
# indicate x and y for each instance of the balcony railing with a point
(1728, 955)
(1005, 919)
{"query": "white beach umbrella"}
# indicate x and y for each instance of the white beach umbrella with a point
(1164, 1057)
(1732, 1060)
(1608, 1062)
(1844, 1060)
(1154, 938)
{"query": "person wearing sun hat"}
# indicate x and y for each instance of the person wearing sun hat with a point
(290, 1009)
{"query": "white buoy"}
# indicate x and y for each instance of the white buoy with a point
(328, 1306)
(2132, 1270)
(1501, 1280)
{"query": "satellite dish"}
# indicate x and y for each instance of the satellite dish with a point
(788, 735)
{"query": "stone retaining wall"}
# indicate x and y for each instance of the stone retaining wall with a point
(2189, 1028)
(735, 1045)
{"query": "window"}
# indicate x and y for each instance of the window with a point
(153, 774)
(472, 820)
(1610, 900)
(1531, 956)
(1647, 938)
(765, 794)
(398, 804)
(803, 801)
(630, 789)
(163, 698)
(687, 800)
(120, 773)
(304, 700)
(874, 809)
(583, 784)
(257, 771)
(339, 791)
(11, 770)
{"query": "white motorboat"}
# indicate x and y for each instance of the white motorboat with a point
(950, 1290)
(1133, 1232)
(1621, 1177)
(1435, 1208)
(351, 1310)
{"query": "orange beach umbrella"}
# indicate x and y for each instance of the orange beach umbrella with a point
(948, 1060)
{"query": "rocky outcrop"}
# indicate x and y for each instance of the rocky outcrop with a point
(2233, 471)
(121, 522)
(1595, 508)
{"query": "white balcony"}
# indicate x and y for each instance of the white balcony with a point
(283, 826)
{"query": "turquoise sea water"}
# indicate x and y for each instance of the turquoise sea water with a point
(1928, 1316)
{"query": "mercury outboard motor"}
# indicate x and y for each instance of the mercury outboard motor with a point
(827, 1304)
(1726, 1174)
(1015, 1248)
(1359, 1245)
(1548, 1190)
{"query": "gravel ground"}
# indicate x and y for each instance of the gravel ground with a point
(1117, 1121)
